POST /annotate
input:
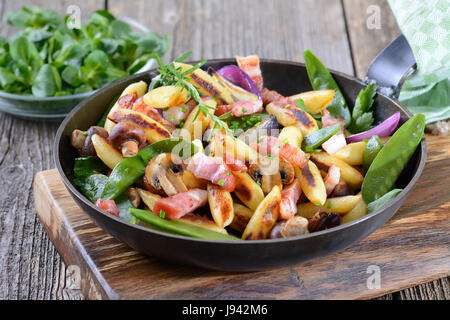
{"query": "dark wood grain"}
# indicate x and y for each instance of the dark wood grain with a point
(367, 37)
(410, 249)
(30, 267)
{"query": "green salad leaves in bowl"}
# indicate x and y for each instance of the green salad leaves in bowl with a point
(47, 68)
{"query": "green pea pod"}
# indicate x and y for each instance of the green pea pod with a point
(315, 139)
(371, 150)
(321, 79)
(184, 149)
(374, 205)
(124, 174)
(392, 159)
(127, 171)
(179, 227)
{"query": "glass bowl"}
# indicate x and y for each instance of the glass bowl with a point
(56, 108)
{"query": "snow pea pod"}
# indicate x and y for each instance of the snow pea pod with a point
(92, 188)
(315, 139)
(321, 79)
(374, 205)
(371, 150)
(179, 227)
(392, 159)
(127, 171)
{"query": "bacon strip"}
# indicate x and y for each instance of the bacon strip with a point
(154, 113)
(289, 198)
(176, 114)
(329, 120)
(126, 101)
(244, 108)
(234, 164)
(334, 144)
(332, 179)
(270, 96)
(211, 169)
(108, 206)
(270, 145)
(240, 108)
(178, 205)
(250, 65)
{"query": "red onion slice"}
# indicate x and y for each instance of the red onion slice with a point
(384, 129)
(238, 77)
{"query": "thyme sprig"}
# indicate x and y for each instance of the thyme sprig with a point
(171, 75)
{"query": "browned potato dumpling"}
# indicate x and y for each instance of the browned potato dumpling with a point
(221, 205)
(264, 218)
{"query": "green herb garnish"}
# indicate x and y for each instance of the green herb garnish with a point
(170, 75)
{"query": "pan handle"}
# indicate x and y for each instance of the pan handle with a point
(392, 66)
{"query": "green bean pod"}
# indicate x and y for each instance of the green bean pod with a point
(392, 159)
(371, 150)
(315, 139)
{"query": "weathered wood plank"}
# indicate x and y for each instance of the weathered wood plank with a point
(371, 27)
(30, 267)
(272, 29)
(410, 249)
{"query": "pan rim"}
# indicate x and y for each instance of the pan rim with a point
(81, 197)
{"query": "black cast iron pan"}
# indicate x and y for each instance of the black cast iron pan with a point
(288, 78)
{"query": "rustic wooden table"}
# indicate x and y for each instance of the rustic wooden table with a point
(343, 33)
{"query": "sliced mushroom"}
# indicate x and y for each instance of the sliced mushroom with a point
(323, 220)
(287, 171)
(133, 194)
(164, 173)
(266, 181)
(127, 136)
(78, 138)
(295, 226)
(82, 140)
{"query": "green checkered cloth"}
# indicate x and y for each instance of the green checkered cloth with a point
(426, 25)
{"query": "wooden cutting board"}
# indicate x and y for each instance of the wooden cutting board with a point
(412, 248)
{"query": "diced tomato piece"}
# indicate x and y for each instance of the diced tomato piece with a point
(108, 206)
(126, 101)
(178, 205)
